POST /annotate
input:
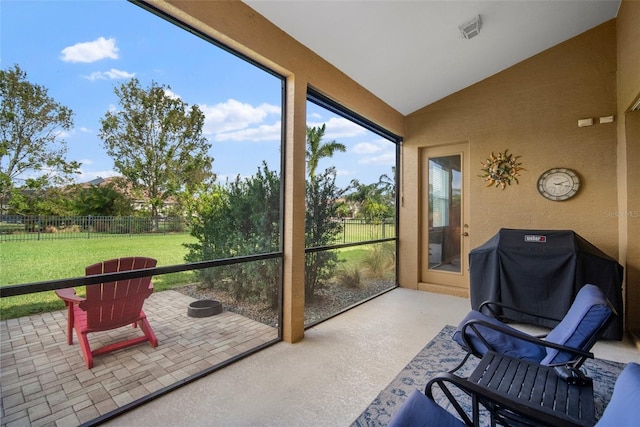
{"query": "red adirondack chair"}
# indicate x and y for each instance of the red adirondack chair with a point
(109, 306)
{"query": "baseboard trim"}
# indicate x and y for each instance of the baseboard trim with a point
(635, 337)
(444, 289)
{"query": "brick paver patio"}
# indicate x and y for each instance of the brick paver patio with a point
(45, 382)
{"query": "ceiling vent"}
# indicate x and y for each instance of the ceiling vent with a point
(471, 28)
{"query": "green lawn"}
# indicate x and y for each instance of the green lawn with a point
(353, 254)
(36, 261)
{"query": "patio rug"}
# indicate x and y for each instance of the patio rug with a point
(442, 354)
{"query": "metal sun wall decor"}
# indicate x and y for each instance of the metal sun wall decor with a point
(501, 169)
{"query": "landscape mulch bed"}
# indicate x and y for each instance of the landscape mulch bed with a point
(326, 302)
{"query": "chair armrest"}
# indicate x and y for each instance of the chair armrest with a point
(493, 312)
(579, 354)
(489, 398)
(69, 295)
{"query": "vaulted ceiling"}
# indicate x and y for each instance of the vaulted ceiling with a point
(412, 53)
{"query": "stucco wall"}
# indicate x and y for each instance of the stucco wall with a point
(628, 37)
(531, 109)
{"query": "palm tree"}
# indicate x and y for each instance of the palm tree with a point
(360, 193)
(387, 184)
(317, 150)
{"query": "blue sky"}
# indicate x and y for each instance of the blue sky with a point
(81, 50)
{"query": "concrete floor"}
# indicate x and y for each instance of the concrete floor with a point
(330, 377)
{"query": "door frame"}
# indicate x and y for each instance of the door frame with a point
(452, 283)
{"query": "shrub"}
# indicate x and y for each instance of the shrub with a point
(320, 230)
(75, 228)
(240, 218)
(380, 259)
(349, 276)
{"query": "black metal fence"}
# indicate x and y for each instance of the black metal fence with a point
(15, 228)
(361, 230)
(46, 227)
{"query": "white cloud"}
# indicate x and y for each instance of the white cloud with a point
(171, 94)
(366, 148)
(112, 74)
(339, 127)
(91, 51)
(388, 158)
(380, 152)
(72, 132)
(261, 133)
(230, 119)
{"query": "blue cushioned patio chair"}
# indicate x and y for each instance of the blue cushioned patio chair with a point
(566, 344)
(420, 411)
(622, 410)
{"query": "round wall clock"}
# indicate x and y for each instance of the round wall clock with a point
(558, 184)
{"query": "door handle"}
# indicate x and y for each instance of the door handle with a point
(465, 234)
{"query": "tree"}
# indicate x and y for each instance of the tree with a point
(103, 200)
(358, 194)
(387, 188)
(387, 185)
(40, 201)
(317, 150)
(156, 142)
(31, 124)
(321, 200)
(374, 202)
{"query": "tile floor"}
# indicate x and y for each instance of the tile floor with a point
(45, 382)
